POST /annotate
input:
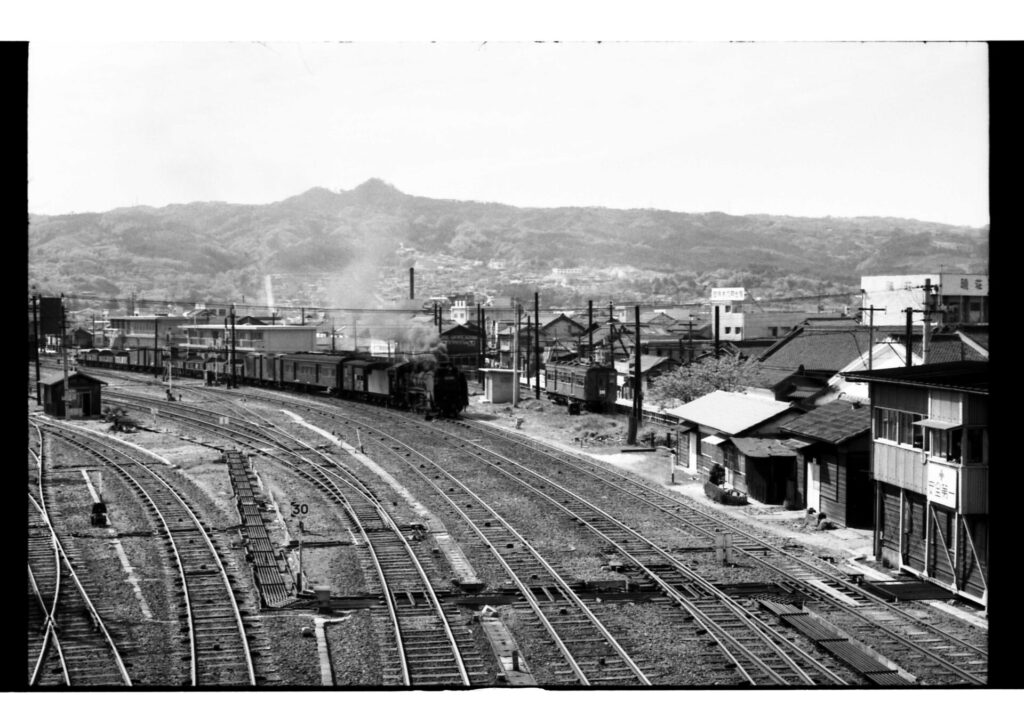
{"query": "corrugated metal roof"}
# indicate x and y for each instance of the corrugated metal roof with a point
(729, 412)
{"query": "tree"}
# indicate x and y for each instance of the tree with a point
(725, 373)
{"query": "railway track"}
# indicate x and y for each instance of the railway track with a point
(216, 639)
(426, 647)
(901, 634)
(757, 651)
(70, 645)
(897, 632)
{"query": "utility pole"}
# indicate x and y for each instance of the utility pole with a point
(515, 361)
(35, 342)
(536, 340)
(689, 333)
(634, 419)
(479, 337)
(590, 330)
(716, 330)
(64, 351)
(332, 334)
(302, 310)
(156, 344)
(910, 333)
(871, 332)
(234, 373)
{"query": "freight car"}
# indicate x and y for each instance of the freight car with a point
(575, 383)
(420, 383)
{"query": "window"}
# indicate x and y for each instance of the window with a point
(898, 427)
(728, 308)
(946, 444)
(728, 329)
(974, 451)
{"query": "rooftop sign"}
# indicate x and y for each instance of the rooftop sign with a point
(737, 293)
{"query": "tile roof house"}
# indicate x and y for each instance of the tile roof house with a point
(800, 364)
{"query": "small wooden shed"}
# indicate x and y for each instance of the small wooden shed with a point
(84, 396)
(498, 384)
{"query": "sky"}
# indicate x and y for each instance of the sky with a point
(772, 127)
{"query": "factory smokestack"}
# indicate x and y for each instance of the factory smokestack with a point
(412, 282)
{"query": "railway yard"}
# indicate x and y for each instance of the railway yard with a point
(261, 538)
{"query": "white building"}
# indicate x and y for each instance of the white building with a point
(963, 298)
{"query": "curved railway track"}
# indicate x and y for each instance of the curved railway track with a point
(757, 651)
(72, 646)
(906, 636)
(218, 647)
(426, 648)
(901, 635)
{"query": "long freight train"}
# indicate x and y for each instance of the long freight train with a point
(422, 383)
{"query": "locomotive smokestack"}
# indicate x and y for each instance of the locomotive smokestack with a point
(412, 282)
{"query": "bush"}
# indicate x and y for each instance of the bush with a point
(717, 474)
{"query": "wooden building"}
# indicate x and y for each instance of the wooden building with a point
(930, 462)
(833, 472)
(463, 345)
(84, 396)
(706, 433)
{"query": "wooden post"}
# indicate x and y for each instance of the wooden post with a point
(590, 330)
(35, 348)
(536, 341)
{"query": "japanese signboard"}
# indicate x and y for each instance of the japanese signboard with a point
(732, 293)
(964, 285)
(942, 481)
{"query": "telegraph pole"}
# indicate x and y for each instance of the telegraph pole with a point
(716, 330)
(871, 332)
(234, 374)
(536, 340)
(156, 344)
(515, 361)
(590, 330)
(689, 333)
(634, 418)
(35, 342)
(479, 337)
(64, 351)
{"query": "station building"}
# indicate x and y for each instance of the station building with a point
(930, 447)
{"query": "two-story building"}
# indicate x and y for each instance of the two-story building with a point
(216, 338)
(147, 331)
(930, 465)
(956, 298)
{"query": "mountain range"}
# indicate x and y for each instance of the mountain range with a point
(374, 232)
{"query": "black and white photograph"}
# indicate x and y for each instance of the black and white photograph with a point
(524, 365)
